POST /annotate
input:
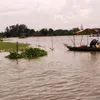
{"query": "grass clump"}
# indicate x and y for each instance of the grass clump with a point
(28, 53)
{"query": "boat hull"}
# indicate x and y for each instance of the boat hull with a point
(82, 48)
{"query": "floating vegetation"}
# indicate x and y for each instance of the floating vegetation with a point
(29, 53)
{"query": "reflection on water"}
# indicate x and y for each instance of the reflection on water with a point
(62, 75)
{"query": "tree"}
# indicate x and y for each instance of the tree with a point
(50, 31)
(18, 30)
(44, 32)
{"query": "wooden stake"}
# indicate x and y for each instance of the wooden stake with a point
(17, 46)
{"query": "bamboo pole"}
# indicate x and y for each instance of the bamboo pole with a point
(17, 47)
(87, 40)
(81, 40)
(71, 40)
(52, 48)
(98, 36)
(74, 40)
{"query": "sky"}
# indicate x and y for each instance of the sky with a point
(56, 14)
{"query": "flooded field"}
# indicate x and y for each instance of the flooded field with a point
(62, 75)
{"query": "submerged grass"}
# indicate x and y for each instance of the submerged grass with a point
(8, 46)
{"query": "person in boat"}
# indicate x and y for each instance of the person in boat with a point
(93, 43)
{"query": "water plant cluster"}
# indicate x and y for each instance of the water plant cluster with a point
(27, 53)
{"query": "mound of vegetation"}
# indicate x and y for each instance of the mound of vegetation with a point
(27, 53)
(14, 55)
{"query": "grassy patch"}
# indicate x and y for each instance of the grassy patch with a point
(8, 46)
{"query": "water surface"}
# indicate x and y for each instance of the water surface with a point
(62, 75)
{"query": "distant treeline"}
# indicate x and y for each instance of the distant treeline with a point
(21, 30)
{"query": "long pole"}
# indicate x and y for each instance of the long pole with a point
(71, 40)
(74, 40)
(38, 42)
(98, 36)
(87, 40)
(17, 47)
(81, 40)
(52, 42)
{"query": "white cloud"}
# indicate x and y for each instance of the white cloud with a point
(50, 13)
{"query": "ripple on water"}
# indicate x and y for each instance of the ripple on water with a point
(62, 75)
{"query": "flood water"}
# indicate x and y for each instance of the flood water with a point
(62, 75)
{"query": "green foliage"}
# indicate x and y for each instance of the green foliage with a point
(21, 30)
(14, 55)
(33, 52)
(18, 30)
(73, 31)
(28, 53)
(44, 32)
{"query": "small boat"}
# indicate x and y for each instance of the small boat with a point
(82, 48)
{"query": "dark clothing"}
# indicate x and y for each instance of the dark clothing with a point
(93, 43)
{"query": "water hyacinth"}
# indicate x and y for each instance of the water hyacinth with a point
(14, 55)
(28, 53)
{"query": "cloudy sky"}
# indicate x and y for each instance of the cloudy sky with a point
(56, 14)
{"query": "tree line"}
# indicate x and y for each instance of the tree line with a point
(21, 30)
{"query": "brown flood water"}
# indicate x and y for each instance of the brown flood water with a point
(62, 75)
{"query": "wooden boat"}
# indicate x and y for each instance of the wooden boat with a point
(85, 47)
(82, 48)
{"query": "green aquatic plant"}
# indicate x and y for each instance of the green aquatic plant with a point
(33, 53)
(14, 55)
(28, 53)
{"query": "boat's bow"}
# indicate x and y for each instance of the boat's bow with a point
(69, 47)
